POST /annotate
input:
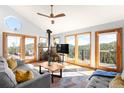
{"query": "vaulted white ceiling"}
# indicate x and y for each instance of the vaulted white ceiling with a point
(77, 16)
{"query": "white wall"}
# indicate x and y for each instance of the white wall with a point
(93, 29)
(28, 28)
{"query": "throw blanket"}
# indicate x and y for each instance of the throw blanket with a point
(103, 73)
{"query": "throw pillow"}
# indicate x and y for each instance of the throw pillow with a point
(23, 75)
(117, 82)
(12, 64)
(122, 75)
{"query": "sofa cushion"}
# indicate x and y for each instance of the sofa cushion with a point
(117, 82)
(19, 62)
(122, 75)
(12, 64)
(23, 75)
(7, 77)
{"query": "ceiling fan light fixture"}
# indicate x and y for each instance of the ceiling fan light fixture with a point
(51, 19)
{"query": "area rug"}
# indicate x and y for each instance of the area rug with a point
(76, 77)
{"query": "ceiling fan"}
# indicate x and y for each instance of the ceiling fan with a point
(52, 16)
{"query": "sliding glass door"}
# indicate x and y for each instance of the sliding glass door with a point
(19, 46)
(13, 46)
(84, 47)
(79, 49)
(109, 50)
(29, 48)
(71, 41)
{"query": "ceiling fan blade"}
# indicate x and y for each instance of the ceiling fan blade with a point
(59, 15)
(43, 15)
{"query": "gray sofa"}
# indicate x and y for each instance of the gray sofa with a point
(7, 77)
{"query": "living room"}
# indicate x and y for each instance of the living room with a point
(90, 39)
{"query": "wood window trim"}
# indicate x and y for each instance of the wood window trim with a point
(70, 61)
(22, 45)
(118, 50)
(76, 49)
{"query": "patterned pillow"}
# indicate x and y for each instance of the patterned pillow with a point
(117, 82)
(12, 64)
(23, 75)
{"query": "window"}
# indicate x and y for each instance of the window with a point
(56, 40)
(12, 23)
(13, 46)
(109, 49)
(19, 46)
(84, 46)
(71, 41)
(79, 49)
(107, 44)
(29, 48)
(43, 41)
(43, 48)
